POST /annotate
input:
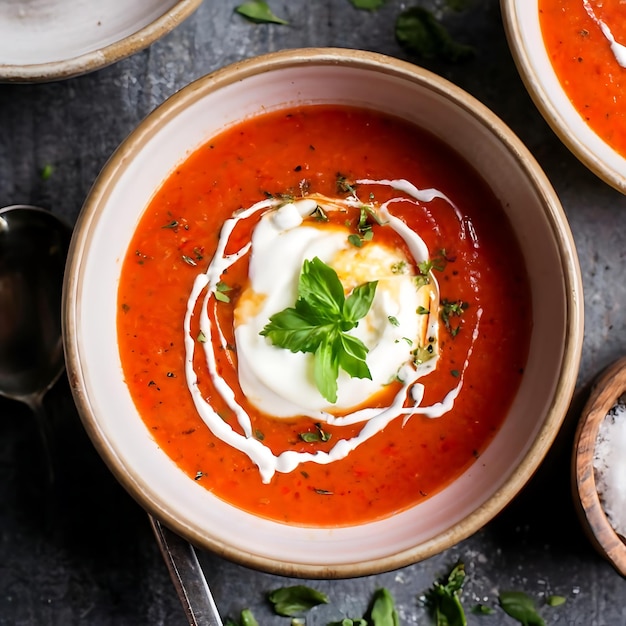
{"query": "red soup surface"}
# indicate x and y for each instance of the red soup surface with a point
(586, 65)
(484, 314)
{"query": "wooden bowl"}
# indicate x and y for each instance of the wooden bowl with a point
(610, 385)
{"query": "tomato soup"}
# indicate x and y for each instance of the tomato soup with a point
(323, 316)
(586, 40)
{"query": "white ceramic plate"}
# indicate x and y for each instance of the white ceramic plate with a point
(521, 21)
(102, 236)
(51, 39)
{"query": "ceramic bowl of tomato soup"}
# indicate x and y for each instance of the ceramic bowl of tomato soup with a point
(322, 313)
(571, 55)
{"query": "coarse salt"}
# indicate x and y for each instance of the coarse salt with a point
(609, 463)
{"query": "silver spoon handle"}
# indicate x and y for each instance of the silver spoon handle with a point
(187, 576)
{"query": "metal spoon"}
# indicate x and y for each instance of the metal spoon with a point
(33, 249)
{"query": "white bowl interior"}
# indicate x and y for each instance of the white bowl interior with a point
(101, 240)
(52, 38)
(527, 45)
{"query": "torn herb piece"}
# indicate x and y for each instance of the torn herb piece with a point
(292, 601)
(420, 32)
(521, 607)
(259, 12)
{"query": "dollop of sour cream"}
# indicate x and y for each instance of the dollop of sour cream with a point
(618, 49)
(402, 322)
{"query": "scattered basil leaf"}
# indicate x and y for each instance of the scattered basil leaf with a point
(318, 323)
(367, 5)
(420, 32)
(291, 601)
(383, 611)
(555, 600)
(259, 12)
(482, 609)
(346, 621)
(521, 607)
(444, 601)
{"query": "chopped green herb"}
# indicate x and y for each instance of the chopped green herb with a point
(420, 32)
(292, 601)
(449, 309)
(455, 373)
(555, 600)
(482, 609)
(173, 224)
(521, 607)
(319, 323)
(346, 621)
(399, 267)
(202, 338)
(220, 292)
(393, 320)
(355, 240)
(188, 260)
(422, 310)
(259, 12)
(443, 598)
(318, 435)
(323, 492)
(46, 171)
(319, 214)
(259, 434)
(343, 186)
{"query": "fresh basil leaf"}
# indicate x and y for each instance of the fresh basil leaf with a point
(290, 601)
(346, 621)
(555, 600)
(351, 353)
(291, 330)
(358, 303)
(318, 324)
(482, 609)
(521, 607)
(321, 288)
(326, 370)
(383, 612)
(418, 31)
(259, 12)
(367, 5)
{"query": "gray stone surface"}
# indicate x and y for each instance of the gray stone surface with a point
(90, 558)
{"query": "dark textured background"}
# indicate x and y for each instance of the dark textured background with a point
(90, 557)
